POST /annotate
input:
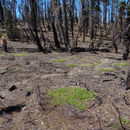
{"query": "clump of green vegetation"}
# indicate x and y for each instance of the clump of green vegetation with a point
(122, 64)
(115, 126)
(85, 61)
(55, 53)
(21, 54)
(105, 69)
(19, 65)
(72, 65)
(59, 60)
(125, 121)
(2, 71)
(97, 63)
(1, 51)
(75, 96)
(30, 105)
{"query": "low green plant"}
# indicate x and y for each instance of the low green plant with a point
(59, 60)
(125, 121)
(30, 105)
(122, 64)
(72, 65)
(21, 54)
(19, 65)
(1, 52)
(2, 71)
(30, 90)
(115, 126)
(55, 53)
(105, 69)
(85, 61)
(97, 63)
(75, 96)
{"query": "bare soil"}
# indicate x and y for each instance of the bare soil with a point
(25, 80)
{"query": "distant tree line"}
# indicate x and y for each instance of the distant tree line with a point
(67, 20)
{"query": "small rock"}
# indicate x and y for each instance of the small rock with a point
(122, 80)
(12, 88)
(77, 84)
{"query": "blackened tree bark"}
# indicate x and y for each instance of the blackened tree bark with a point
(105, 3)
(85, 17)
(33, 24)
(65, 19)
(1, 13)
(71, 11)
(57, 44)
(91, 24)
(53, 15)
(113, 28)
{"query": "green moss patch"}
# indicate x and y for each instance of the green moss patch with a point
(21, 54)
(105, 69)
(122, 64)
(97, 63)
(59, 60)
(75, 96)
(72, 65)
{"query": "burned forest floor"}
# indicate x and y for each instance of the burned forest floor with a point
(26, 76)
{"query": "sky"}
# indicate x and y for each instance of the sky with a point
(77, 2)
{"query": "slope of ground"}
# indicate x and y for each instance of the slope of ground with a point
(26, 75)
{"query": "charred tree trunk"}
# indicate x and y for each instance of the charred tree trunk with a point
(91, 26)
(1, 13)
(65, 19)
(54, 14)
(104, 12)
(57, 44)
(113, 39)
(71, 10)
(33, 24)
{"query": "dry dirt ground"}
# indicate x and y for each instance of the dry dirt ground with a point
(26, 75)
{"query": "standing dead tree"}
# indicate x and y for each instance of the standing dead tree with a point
(54, 12)
(65, 21)
(33, 24)
(1, 13)
(31, 19)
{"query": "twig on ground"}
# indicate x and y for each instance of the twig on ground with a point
(99, 121)
(119, 116)
(39, 98)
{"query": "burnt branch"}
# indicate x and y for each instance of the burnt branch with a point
(119, 116)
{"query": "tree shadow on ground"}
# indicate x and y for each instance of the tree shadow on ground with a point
(11, 109)
(12, 50)
(114, 58)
